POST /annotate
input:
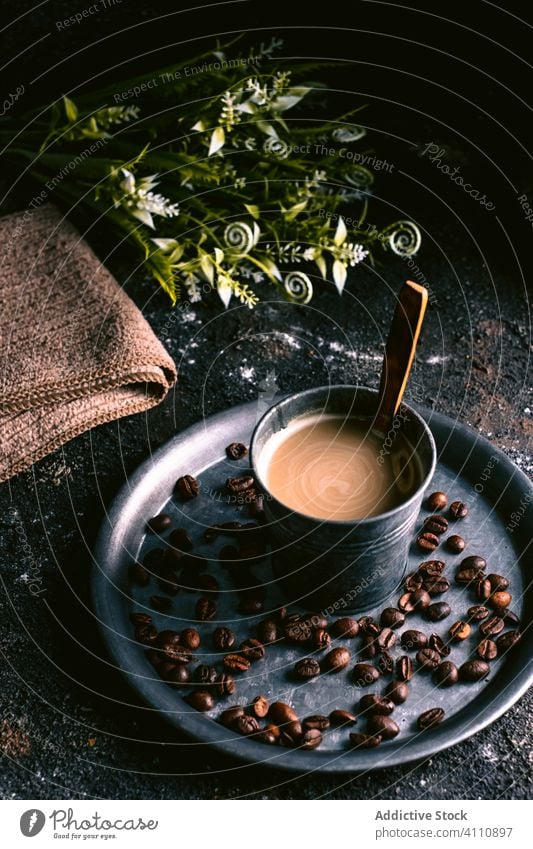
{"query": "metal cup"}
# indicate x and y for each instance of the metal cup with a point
(341, 565)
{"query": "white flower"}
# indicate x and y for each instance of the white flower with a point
(141, 202)
(355, 253)
(309, 254)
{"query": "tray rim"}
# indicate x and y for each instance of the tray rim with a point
(395, 753)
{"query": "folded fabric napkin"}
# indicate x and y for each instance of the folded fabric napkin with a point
(74, 349)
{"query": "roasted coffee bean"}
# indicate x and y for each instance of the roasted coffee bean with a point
(158, 602)
(371, 703)
(267, 737)
(260, 706)
(178, 676)
(140, 618)
(369, 647)
(364, 741)
(316, 620)
(491, 627)
(200, 700)
(246, 725)
(437, 644)
(511, 618)
(364, 674)
(430, 718)
(458, 510)
(460, 630)
(206, 609)
(175, 653)
(386, 639)
(345, 627)
(437, 501)
(427, 541)
(474, 561)
(274, 730)
(436, 586)
(291, 733)
(487, 650)
(474, 670)
(139, 575)
(368, 625)
(181, 539)
(281, 713)
(336, 659)
(413, 582)
(310, 739)
(307, 667)
(477, 613)
(297, 630)
(497, 582)
(397, 692)
(316, 720)
(391, 617)
(250, 603)
(320, 639)
(507, 641)
(482, 589)
(236, 663)
(437, 611)
(384, 726)
(436, 525)
(145, 634)
(154, 657)
(225, 684)
(252, 649)
(411, 640)
(240, 484)
(169, 637)
(455, 543)
(159, 523)
(236, 450)
(428, 659)
(446, 674)
(468, 575)
(500, 600)
(385, 663)
(204, 674)
(267, 631)
(229, 716)
(190, 639)
(256, 508)
(404, 668)
(341, 717)
(223, 638)
(188, 487)
(431, 568)
(417, 600)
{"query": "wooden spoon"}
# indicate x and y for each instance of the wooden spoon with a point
(399, 352)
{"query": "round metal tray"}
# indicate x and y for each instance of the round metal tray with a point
(499, 527)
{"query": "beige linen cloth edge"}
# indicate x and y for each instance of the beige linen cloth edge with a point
(75, 351)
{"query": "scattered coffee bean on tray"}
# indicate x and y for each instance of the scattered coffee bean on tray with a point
(507, 641)
(252, 649)
(437, 501)
(474, 561)
(372, 703)
(267, 631)
(201, 700)
(436, 525)
(336, 659)
(225, 684)
(340, 717)
(446, 674)
(430, 718)
(437, 611)
(190, 639)
(455, 543)
(417, 600)
(428, 659)
(223, 638)
(386, 727)
(458, 510)
(310, 739)
(307, 667)
(404, 668)
(281, 712)
(181, 539)
(412, 640)
(260, 706)
(432, 568)
(478, 612)
(487, 650)
(492, 626)
(320, 639)
(188, 487)
(236, 450)
(229, 716)
(386, 663)
(236, 663)
(246, 725)
(500, 600)
(460, 630)
(345, 627)
(267, 737)
(437, 644)
(391, 617)
(364, 741)
(158, 524)
(240, 484)
(364, 674)
(427, 541)
(397, 692)
(206, 609)
(316, 720)
(474, 670)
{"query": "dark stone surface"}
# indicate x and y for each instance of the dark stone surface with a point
(70, 728)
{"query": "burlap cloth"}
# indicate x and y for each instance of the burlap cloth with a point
(74, 350)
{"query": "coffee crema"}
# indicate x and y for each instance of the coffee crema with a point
(334, 467)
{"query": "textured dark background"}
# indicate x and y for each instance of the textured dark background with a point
(70, 728)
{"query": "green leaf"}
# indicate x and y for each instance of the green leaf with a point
(71, 110)
(254, 210)
(218, 137)
(290, 214)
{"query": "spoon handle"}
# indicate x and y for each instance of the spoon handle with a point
(400, 351)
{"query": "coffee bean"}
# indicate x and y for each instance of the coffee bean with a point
(491, 627)
(200, 700)
(342, 717)
(154, 657)
(436, 525)
(204, 674)
(386, 639)
(267, 631)
(460, 630)
(431, 568)
(371, 703)
(417, 600)
(511, 618)
(252, 649)
(427, 541)
(267, 737)
(158, 602)
(404, 668)
(437, 644)
(316, 620)
(413, 582)
(225, 684)
(458, 510)
(384, 726)
(280, 713)
(250, 603)
(291, 733)
(159, 523)
(477, 613)
(256, 508)
(206, 609)
(430, 718)
(364, 741)
(181, 539)
(446, 674)
(385, 663)
(236, 663)
(316, 720)
(474, 670)
(190, 639)
(145, 634)
(236, 450)
(168, 636)
(507, 641)
(498, 582)
(391, 617)
(436, 586)
(368, 625)
(482, 589)
(487, 650)
(500, 600)
(188, 487)
(369, 647)
(437, 501)
(273, 729)
(175, 653)
(345, 627)
(229, 716)
(246, 725)
(240, 484)
(320, 639)
(139, 575)
(223, 638)
(455, 543)
(364, 674)
(474, 561)
(397, 692)
(428, 659)
(260, 706)
(310, 739)
(337, 659)
(438, 611)
(297, 630)
(140, 618)
(411, 640)
(468, 575)
(178, 676)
